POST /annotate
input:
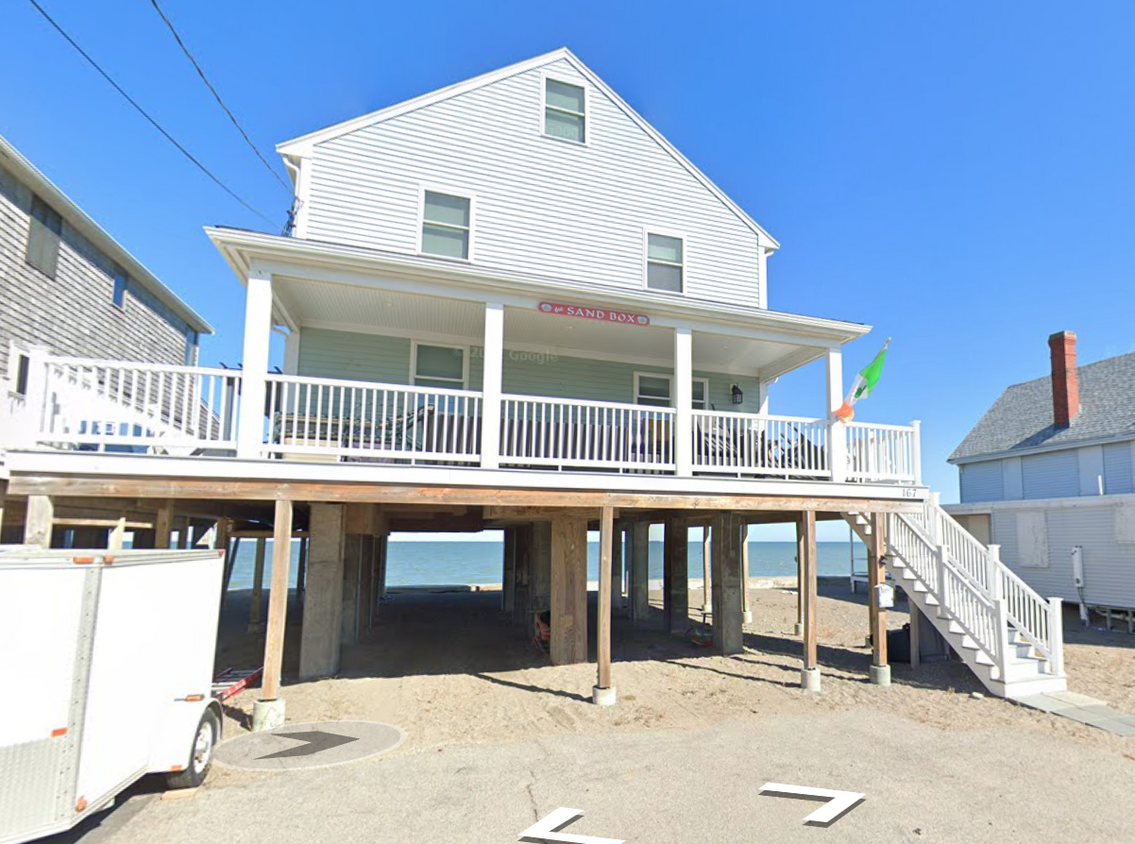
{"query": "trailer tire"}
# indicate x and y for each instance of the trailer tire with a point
(200, 753)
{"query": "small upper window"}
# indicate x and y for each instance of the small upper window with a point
(119, 287)
(46, 227)
(664, 263)
(565, 109)
(446, 223)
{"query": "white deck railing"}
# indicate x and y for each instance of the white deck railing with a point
(748, 444)
(882, 452)
(361, 421)
(80, 403)
(563, 433)
(162, 409)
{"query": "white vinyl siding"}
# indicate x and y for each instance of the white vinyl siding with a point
(557, 210)
(1109, 566)
(981, 481)
(1118, 477)
(565, 110)
(1053, 475)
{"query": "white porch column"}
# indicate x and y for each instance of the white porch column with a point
(762, 396)
(837, 448)
(683, 401)
(257, 333)
(491, 386)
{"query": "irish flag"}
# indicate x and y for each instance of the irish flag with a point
(865, 382)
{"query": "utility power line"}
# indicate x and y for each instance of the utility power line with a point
(151, 120)
(200, 72)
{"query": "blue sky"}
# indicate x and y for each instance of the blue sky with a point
(958, 175)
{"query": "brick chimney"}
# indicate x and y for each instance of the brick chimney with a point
(1065, 383)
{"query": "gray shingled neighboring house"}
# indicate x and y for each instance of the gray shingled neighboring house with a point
(1048, 473)
(66, 284)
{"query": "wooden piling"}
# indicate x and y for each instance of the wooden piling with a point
(676, 588)
(255, 625)
(277, 600)
(807, 527)
(568, 596)
(876, 575)
(606, 532)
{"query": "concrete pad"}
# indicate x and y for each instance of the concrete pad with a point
(319, 744)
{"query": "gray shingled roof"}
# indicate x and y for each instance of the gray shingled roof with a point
(1022, 417)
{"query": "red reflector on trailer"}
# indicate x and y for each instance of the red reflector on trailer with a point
(80, 804)
(193, 698)
(177, 768)
(62, 731)
(82, 560)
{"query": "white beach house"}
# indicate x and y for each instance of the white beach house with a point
(512, 303)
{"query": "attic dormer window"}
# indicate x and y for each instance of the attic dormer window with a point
(565, 111)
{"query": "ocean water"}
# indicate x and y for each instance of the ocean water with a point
(425, 562)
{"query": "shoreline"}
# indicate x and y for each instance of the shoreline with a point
(593, 585)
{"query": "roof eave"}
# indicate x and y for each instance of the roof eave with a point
(1040, 449)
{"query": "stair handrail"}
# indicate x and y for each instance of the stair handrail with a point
(974, 611)
(1035, 618)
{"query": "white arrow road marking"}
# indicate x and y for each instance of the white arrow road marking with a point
(546, 828)
(839, 802)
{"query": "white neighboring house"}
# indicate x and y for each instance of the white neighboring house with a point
(1047, 474)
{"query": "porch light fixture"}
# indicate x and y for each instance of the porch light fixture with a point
(736, 394)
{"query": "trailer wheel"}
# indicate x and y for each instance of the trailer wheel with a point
(200, 754)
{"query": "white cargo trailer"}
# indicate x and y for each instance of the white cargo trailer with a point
(106, 661)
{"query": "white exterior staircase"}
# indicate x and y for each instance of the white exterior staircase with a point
(1009, 636)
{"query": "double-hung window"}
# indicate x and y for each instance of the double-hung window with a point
(119, 287)
(657, 391)
(664, 262)
(44, 233)
(565, 111)
(439, 366)
(447, 223)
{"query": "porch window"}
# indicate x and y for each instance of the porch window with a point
(655, 390)
(664, 262)
(446, 225)
(44, 233)
(565, 111)
(439, 366)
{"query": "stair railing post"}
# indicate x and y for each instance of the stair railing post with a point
(1001, 637)
(940, 556)
(916, 451)
(993, 573)
(933, 517)
(1056, 635)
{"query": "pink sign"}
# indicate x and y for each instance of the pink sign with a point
(588, 312)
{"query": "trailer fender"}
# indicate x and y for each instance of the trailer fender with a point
(175, 732)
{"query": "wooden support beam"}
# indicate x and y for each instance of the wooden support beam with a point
(801, 550)
(117, 536)
(540, 572)
(163, 524)
(877, 575)
(433, 496)
(38, 521)
(915, 634)
(746, 610)
(569, 590)
(277, 601)
(706, 567)
(728, 637)
(617, 543)
(640, 572)
(508, 571)
(255, 616)
(603, 649)
(533, 514)
(676, 588)
(183, 533)
(807, 526)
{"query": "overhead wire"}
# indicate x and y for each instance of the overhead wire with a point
(146, 115)
(200, 72)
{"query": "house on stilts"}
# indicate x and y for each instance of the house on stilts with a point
(512, 303)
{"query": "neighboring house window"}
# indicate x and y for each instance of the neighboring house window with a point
(655, 390)
(664, 262)
(565, 108)
(23, 364)
(439, 366)
(191, 340)
(46, 227)
(119, 288)
(446, 225)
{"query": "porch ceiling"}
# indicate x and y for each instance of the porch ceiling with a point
(351, 308)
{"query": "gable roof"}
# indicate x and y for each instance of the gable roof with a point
(1021, 419)
(304, 145)
(29, 174)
